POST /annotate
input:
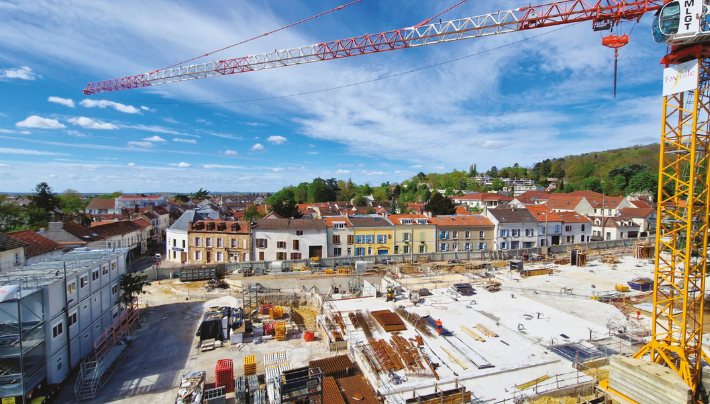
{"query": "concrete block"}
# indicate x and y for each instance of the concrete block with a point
(647, 382)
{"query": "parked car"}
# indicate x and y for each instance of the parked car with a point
(455, 261)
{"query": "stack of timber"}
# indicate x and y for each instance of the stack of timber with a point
(647, 382)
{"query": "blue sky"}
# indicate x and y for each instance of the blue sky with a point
(546, 97)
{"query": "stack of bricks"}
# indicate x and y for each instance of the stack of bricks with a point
(249, 365)
(224, 375)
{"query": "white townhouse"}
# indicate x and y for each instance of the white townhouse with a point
(614, 228)
(549, 225)
(340, 236)
(289, 239)
(177, 245)
(575, 228)
(515, 228)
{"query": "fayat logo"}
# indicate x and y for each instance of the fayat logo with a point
(682, 74)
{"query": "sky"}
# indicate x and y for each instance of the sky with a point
(522, 97)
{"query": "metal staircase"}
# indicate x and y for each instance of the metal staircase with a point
(109, 352)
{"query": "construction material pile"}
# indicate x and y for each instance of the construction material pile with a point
(399, 353)
(492, 285)
(414, 319)
(192, 386)
(464, 289)
(337, 366)
(389, 321)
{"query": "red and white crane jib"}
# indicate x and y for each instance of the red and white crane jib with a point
(609, 12)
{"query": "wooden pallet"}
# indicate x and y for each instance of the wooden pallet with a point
(483, 329)
(472, 334)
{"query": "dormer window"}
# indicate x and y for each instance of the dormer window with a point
(422, 221)
(338, 225)
(405, 221)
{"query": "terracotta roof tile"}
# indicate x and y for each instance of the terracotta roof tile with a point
(98, 204)
(116, 228)
(10, 243)
(472, 220)
(82, 232)
(342, 219)
(289, 224)
(540, 212)
(573, 217)
(637, 212)
(37, 245)
(395, 219)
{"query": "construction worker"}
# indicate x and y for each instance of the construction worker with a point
(438, 326)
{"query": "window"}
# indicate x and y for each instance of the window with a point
(174, 243)
(568, 228)
(299, 232)
(57, 330)
(198, 255)
(582, 227)
(295, 256)
(422, 221)
(198, 242)
(86, 336)
(444, 247)
(405, 250)
(482, 246)
(338, 225)
(71, 288)
(183, 244)
(281, 244)
(528, 244)
(396, 249)
(502, 245)
(115, 315)
(359, 251)
(502, 233)
(220, 256)
(557, 228)
(281, 256)
(234, 243)
(94, 275)
(59, 363)
(359, 239)
(370, 238)
(208, 242)
(174, 254)
(219, 243)
(17, 258)
(296, 245)
(595, 211)
(405, 221)
(422, 248)
(336, 239)
(443, 235)
(114, 265)
(468, 234)
(261, 255)
(481, 234)
(456, 235)
(369, 250)
(114, 289)
(405, 236)
(350, 239)
(381, 238)
(261, 243)
(83, 281)
(104, 270)
(72, 319)
(337, 251)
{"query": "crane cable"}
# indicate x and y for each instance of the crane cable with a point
(262, 35)
(447, 10)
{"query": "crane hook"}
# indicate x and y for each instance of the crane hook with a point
(615, 42)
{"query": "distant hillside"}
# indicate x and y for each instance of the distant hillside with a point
(605, 161)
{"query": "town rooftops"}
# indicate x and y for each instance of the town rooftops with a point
(532, 197)
(10, 243)
(564, 201)
(619, 222)
(370, 221)
(116, 228)
(543, 213)
(37, 245)
(337, 219)
(472, 220)
(84, 233)
(288, 224)
(220, 226)
(637, 212)
(101, 204)
(31, 277)
(407, 219)
(487, 196)
(573, 217)
(609, 202)
(505, 214)
(183, 223)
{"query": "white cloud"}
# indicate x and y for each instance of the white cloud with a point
(37, 122)
(142, 145)
(156, 129)
(257, 146)
(440, 168)
(313, 152)
(88, 123)
(279, 169)
(192, 141)
(7, 131)
(255, 124)
(23, 73)
(144, 108)
(131, 164)
(210, 166)
(4, 165)
(491, 144)
(341, 172)
(155, 139)
(5, 150)
(311, 145)
(129, 109)
(63, 101)
(75, 133)
(277, 139)
(184, 165)
(372, 172)
(171, 120)
(231, 153)
(417, 166)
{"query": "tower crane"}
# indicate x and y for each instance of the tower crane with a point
(684, 177)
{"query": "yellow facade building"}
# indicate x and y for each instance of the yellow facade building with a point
(413, 234)
(373, 235)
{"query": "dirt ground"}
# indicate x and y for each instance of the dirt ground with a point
(165, 347)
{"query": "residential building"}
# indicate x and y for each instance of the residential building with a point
(413, 234)
(71, 235)
(614, 228)
(549, 225)
(611, 205)
(12, 252)
(645, 218)
(530, 198)
(373, 235)
(288, 239)
(65, 306)
(482, 201)
(131, 201)
(576, 228)
(39, 248)
(569, 203)
(516, 190)
(177, 246)
(209, 210)
(218, 241)
(515, 228)
(102, 207)
(464, 233)
(130, 234)
(341, 236)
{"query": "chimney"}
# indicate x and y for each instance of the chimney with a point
(135, 208)
(150, 208)
(54, 226)
(189, 226)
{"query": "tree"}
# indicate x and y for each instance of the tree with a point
(318, 191)
(497, 184)
(380, 194)
(365, 190)
(592, 184)
(301, 192)
(43, 198)
(440, 205)
(347, 190)
(182, 198)
(360, 201)
(132, 285)
(471, 172)
(619, 182)
(283, 203)
(370, 210)
(10, 217)
(393, 207)
(200, 195)
(569, 188)
(586, 170)
(643, 183)
(421, 176)
(493, 172)
(70, 202)
(331, 186)
(252, 212)
(396, 191)
(112, 195)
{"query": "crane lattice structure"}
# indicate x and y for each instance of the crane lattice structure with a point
(683, 199)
